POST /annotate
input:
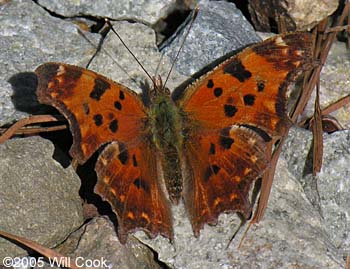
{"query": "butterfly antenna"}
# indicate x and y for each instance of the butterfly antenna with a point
(194, 15)
(158, 65)
(100, 48)
(132, 54)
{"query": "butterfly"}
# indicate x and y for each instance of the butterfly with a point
(205, 146)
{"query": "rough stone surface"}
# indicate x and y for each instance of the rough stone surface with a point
(218, 29)
(27, 39)
(295, 15)
(146, 11)
(297, 165)
(292, 234)
(308, 13)
(99, 242)
(334, 188)
(116, 62)
(39, 199)
(334, 84)
(329, 190)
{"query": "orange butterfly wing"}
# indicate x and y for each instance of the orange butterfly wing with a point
(99, 111)
(233, 111)
(130, 184)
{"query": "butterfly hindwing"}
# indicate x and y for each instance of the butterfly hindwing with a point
(223, 166)
(128, 180)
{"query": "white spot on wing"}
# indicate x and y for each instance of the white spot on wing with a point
(280, 42)
(251, 141)
(61, 70)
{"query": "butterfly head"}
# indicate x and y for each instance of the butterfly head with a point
(158, 89)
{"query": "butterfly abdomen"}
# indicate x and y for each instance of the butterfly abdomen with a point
(166, 126)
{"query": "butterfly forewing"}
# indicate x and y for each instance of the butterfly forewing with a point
(250, 88)
(243, 100)
(98, 109)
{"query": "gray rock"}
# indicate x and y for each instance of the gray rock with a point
(329, 190)
(100, 243)
(117, 63)
(296, 15)
(39, 199)
(296, 153)
(334, 188)
(291, 235)
(218, 29)
(143, 11)
(27, 39)
(334, 84)
(308, 13)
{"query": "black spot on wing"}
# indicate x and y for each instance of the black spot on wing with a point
(99, 89)
(216, 169)
(230, 110)
(98, 119)
(139, 183)
(212, 149)
(210, 83)
(118, 105)
(121, 95)
(249, 99)
(211, 170)
(124, 154)
(225, 140)
(113, 126)
(134, 160)
(218, 92)
(237, 70)
(73, 74)
(261, 85)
